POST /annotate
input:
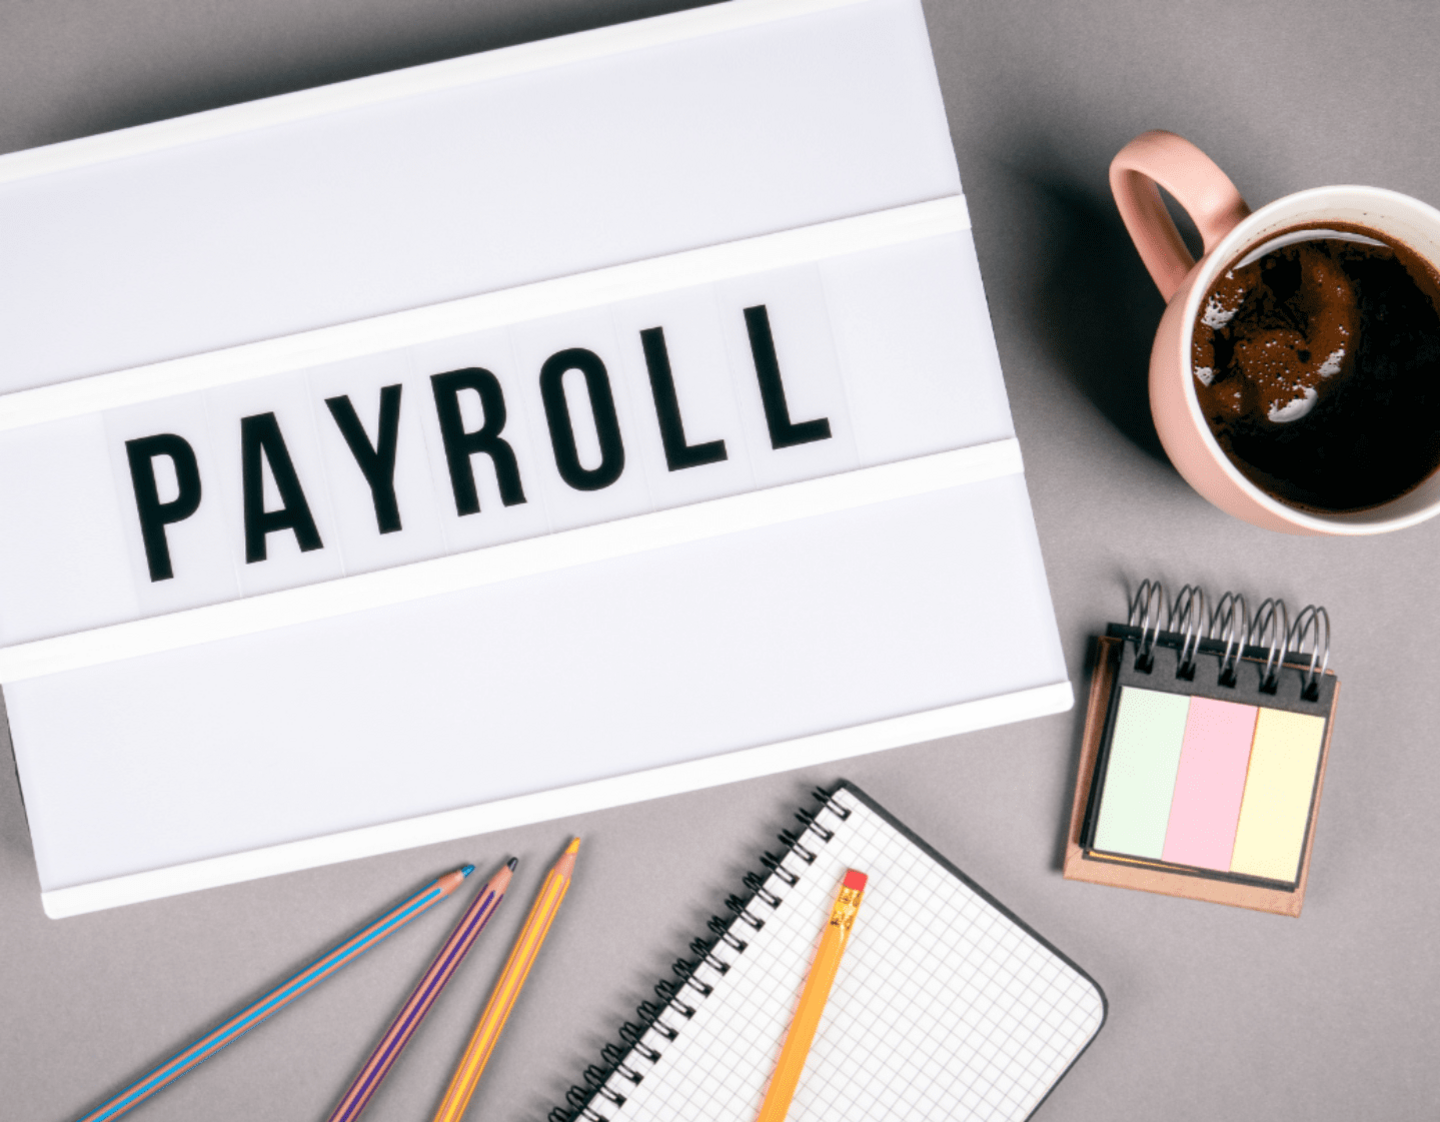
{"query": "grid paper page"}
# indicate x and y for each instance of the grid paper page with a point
(944, 1006)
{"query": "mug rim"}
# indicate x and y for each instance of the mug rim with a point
(1230, 248)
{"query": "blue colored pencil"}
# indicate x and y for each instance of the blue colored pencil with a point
(279, 997)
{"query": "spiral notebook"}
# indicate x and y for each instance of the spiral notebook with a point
(1205, 746)
(946, 1005)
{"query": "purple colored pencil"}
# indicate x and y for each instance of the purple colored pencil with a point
(367, 1080)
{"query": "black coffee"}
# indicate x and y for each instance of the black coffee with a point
(1318, 369)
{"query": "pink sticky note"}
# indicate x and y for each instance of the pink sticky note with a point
(1209, 784)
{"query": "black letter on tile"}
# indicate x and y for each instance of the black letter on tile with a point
(783, 434)
(377, 463)
(155, 515)
(678, 454)
(562, 431)
(260, 437)
(461, 445)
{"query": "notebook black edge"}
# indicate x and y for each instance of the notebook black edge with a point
(589, 1090)
(955, 871)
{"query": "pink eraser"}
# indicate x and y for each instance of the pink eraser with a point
(855, 879)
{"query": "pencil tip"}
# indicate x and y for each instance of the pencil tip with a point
(466, 870)
(510, 864)
(574, 846)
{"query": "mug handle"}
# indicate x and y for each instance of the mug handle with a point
(1206, 193)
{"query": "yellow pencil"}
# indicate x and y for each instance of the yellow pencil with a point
(812, 999)
(507, 989)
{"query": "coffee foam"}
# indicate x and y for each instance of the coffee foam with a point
(1290, 345)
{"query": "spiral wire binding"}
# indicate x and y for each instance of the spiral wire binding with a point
(1145, 608)
(1188, 613)
(771, 862)
(678, 1000)
(1230, 623)
(1271, 617)
(1311, 621)
(1232, 618)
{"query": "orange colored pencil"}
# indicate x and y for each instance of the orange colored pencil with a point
(507, 989)
(812, 1000)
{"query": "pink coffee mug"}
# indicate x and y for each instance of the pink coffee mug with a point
(1229, 230)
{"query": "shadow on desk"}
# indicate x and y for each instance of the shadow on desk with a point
(1092, 308)
(1077, 746)
(14, 829)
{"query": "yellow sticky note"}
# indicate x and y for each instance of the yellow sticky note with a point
(1275, 809)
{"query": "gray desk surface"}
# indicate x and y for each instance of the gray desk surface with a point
(1214, 1012)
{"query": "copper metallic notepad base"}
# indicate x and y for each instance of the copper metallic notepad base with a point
(1134, 873)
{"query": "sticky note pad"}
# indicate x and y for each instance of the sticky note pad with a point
(1275, 809)
(1140, 776)
(1201, 770)
(1209, 783)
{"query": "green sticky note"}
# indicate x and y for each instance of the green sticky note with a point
(1140, 777)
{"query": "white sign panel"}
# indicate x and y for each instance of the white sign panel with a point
(461, 489)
